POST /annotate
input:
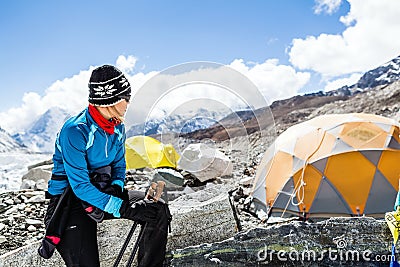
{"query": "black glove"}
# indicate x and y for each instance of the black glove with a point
(141, 211)
(116, 191)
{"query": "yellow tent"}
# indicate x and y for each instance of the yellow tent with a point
(342, 164)
(144, 151)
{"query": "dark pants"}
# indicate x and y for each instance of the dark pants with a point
(78, 246)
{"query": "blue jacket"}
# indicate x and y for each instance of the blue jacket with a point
(82, 147)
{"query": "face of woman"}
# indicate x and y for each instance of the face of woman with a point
(120, 108)
(117, 111)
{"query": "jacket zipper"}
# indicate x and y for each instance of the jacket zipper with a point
(106, 144)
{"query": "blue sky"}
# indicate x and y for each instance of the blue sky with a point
(322, 43)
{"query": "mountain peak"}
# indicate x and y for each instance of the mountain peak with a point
(382, 75)
(7, 142)
(41, 135)
(52, 118)
(178, 123)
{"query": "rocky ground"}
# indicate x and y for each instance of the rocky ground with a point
(337, 241)
(21, 218)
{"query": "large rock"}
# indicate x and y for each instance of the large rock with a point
(203, 216)
(205, 162)
(335, 242)
(37, 178)
(35, 174)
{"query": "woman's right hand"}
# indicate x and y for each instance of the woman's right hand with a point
(141, 211)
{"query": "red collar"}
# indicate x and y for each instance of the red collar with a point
(106, 125)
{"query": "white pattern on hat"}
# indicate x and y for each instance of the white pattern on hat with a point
(108, 80)
(124, 82)
(108, 89)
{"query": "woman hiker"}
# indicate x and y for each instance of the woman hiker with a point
(89, 164)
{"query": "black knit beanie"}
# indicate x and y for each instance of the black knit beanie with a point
(108, 86)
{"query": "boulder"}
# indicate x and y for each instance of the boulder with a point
(28, 184)
(37, 178)
(203, 216)
(38, 173)
(205, 162)
(41, 184)
(338, 241)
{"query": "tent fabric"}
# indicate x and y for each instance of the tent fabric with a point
(339, 164)
(145, 151)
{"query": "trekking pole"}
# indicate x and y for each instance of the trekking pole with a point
(125, 245)
(154, 193)
(158, 192)
(136, 246)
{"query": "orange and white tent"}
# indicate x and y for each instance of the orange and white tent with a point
(332, 165)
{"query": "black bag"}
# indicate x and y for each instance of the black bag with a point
(55, 221)
(100, 180)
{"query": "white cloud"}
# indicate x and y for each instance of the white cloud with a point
(191, 97)
(70, 94)
(326, 6)
(17, 118)
(338, 83)
(126, 64)
(273, 80)
(369, 40)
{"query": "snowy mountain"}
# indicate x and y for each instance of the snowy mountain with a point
(41, 135)
(384, 74)
(8, 143)
(177, 123)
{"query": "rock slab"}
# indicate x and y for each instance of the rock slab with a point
(335, 242)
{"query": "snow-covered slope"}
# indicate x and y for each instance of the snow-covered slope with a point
(14, 164)
(384, 74)
(201, 119)
(8, 143)
(41, 135)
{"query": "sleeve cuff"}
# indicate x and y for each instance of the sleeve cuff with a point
(113, 206)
